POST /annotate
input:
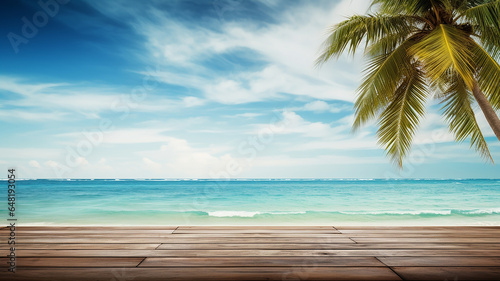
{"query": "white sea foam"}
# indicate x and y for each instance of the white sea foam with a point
(483, 211)
(412, 212)
(244, 214)
(249, 214)
(285, 213)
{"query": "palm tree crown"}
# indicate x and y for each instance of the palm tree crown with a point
(419, 47)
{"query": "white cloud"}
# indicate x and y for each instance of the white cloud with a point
(34, 164)
(210, 63)
(121, 136)
(177, 158)
(320, 106)
(247, 115)
(288, 59)
(8, 115)
(17, 86)
(292, 123)
(52, 164)
(317, 106)
(28, 153)
(192, 101)
(58, 101)
(151, 164)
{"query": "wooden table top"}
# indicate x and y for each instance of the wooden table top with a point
(253, 253)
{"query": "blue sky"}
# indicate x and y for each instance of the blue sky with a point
(201, 89)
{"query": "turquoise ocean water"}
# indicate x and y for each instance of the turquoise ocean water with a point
(257, 202)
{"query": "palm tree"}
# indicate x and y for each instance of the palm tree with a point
(418, 47)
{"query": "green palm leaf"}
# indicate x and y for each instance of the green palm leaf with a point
(403, 6)
(486, 21)
(451, 46)
(461, 118)
(484, 14)
(350, 33)
(489, 75)
(383, 74)
(399, 121)
(443, 49)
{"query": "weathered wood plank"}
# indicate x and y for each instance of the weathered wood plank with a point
(95, 228)
(319, 246)
(441, 261)
(423, 235)
(454, 228)
(263, 246)
(85, 253)
(256, 235)
(180, 239)
(76, 246)
(209, 274)
(380, 240)
(181, 230)
(91, 240)
(448, 273)
(75, 262)
(261, 262)
(377, 252)
(253, 252)
(422, 230)
(22, 236)
(265, 227)
(99, 232)
(190, 235)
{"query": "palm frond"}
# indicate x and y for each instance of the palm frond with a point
(446, 48)
(350, 33)
(399, 121)
(488, 74)
(490, 40)
(413, 7)
(383, 74)
(460, 116)
(386, 44)
(485, 13)
(460, 6)
(417, 46)
(485, 19)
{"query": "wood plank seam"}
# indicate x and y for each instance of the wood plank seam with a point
(355, 240)
(401, 277)
(141, 261)
(259, 266)
(173, 231)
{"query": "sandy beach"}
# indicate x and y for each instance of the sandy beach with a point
(254, 253)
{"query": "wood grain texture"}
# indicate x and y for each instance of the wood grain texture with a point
(448, 273)
(254, 253)
(75, 262)
(250, 246)
(264, 227)
(441, 261)
(205, 273)
(181, 239)
(380, 240)
(261, 262)
(326, 246)
(77, 246)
